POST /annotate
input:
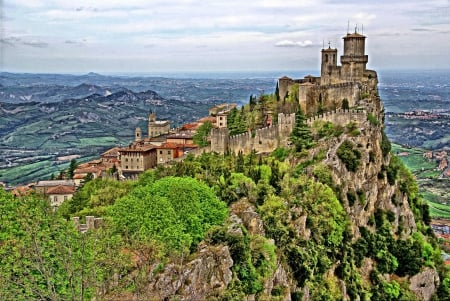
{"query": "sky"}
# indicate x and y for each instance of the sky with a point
(147, 36)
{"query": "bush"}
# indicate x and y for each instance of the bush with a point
(349, 155)
(372, 119)
(385, 144)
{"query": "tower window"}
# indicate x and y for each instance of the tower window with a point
(326, 58)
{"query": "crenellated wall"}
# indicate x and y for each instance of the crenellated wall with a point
(269, 138)
(340, 117)
(330, 96)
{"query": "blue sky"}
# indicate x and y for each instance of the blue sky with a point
(129, 36)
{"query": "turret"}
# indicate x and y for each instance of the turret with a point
(354, 60)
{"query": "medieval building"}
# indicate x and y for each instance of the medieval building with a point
(338, 86)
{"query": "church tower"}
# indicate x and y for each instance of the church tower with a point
(354, 60)
(328, 65)
(138, 135)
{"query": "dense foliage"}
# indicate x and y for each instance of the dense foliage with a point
(163, 217)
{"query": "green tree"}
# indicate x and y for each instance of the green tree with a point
(301, 134)
(73, 165)
(201, 137)
(41, 256)
(345, 105)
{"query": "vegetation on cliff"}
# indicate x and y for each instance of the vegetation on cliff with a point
(293, 223)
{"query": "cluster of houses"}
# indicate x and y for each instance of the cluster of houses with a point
(161, 146)
(441, 157)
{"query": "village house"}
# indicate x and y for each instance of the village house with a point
(41, 187)
(59, 194)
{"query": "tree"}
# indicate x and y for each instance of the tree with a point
(301, 134)
(173, 211)
(72, 167)
(41, 257)
(201, 137)
(345, 105)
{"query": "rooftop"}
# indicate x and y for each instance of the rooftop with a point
(61, 189)
(52, 183)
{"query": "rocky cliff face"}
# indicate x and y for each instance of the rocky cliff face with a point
(330, 226)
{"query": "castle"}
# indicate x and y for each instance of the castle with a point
(342, 94)
(338, 86)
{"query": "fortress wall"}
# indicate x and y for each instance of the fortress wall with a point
(262, 140)
(331, 95)
(341, 117)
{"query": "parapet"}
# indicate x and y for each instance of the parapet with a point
(92, 223)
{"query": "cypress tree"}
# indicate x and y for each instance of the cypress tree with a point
(301, 134)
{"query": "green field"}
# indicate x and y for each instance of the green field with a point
(439, 210)
(36, 171)
(434, 191)
(415, 162)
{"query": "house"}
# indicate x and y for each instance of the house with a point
(42, 187)
(167, 152)
(111, 155)
(182, 137)
(58, 194)
(136, 159)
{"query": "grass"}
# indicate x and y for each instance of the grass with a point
(415, 162)
(32, 172)
(439, 210)
(98, 141)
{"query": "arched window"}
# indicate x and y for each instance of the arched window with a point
(326, 58)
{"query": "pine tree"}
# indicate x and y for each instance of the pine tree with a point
(277, 92)
(301, 134)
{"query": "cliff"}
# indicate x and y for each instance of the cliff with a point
(341, 220)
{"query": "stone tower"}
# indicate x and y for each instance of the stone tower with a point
(137, 134)
(157, 127)
(354, 60)
(329, 66)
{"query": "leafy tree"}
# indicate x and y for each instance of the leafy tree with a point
(173, 211)
(301, 134)
(41, 256)
(200, 138)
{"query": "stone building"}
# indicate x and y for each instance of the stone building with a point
(156, 127)
(136, 159)
(351, 80)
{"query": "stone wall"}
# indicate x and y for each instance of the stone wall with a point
(262, 140)
(340, 117)
(269, 138)
(330, 95)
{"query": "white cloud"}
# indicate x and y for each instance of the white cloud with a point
(289, 43)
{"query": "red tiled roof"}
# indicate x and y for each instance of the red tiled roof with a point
(138, 148)
(190, 126)
(61, 190)
(113, 152)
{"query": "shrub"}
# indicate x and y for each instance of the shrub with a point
(372, 119)
(349, 155)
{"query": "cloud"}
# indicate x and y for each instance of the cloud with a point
(290, 43)
(10, 41)
(34, 43)
(422, 29)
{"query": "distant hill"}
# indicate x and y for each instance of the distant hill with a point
(32, 132)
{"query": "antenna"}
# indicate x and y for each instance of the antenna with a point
(348, 26)
(362, 28)
(323, 43)
(356, 28)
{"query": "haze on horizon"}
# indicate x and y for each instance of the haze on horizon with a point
(65, 36)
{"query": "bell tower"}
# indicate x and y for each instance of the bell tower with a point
(328, 65)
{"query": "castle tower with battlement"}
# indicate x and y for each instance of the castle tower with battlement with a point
(336, 82)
